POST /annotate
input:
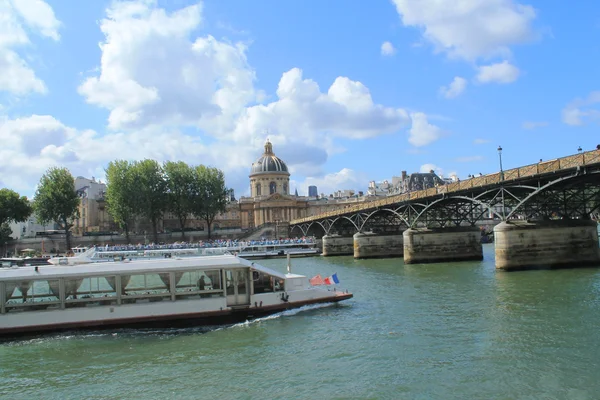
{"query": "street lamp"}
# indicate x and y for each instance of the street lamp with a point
(500, 155)
(579, 150)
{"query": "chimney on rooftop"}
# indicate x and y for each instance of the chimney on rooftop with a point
(431, 171)
(403, 175)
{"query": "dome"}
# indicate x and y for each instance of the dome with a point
(269, 162)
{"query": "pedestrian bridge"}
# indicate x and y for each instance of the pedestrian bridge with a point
(557, 198)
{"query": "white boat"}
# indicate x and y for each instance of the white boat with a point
(248, 250)
(95, 255)
(263, 250)
(167, 292)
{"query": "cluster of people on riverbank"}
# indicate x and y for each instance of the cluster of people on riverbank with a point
(217, 243)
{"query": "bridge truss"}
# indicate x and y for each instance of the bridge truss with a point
(572, 194)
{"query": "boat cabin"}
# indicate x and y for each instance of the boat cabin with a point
(227, 278)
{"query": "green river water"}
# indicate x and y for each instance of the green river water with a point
(438, 331)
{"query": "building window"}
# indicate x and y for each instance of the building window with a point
(258, 189)
(285, 188)
(272, 187)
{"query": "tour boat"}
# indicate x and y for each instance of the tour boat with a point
(248, 250)
(167, 292)
(278, 250)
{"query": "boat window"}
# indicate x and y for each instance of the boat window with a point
(31, 295)
(229, 282)
(199, 281)
(241, 280)
(146, 285)
(266, 283)
(89, 290)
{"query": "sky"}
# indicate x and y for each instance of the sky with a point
(347, 91)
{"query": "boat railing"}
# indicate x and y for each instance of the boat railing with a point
(233, 245)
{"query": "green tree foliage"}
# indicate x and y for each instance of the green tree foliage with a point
(13, 208)
(180, 191)
(121, 191)
(151, 197)
(56, 200)
(210, 194)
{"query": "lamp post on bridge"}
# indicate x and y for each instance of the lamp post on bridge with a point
(502, 180)
(500, 155)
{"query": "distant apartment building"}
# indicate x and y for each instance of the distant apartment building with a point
(312, 191)
(93, 215)
(406, 183)
(31, 228)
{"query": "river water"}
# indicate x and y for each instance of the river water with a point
(438, 331)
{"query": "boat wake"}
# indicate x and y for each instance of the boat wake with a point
(278, 315)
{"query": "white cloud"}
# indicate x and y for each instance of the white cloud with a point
(342, 180)
(530, 125)
(179, 87)
(503, 72)
(16, 17)
(174, 96)
(469, 29)
(455, 88)
(422, 132)
(480, 141)
(38, 15)
(387, 49)
(469, 159)
(345, 110)
(580, 111)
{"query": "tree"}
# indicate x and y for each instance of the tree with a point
(13, 208)
(121, 193)
(151, 198)
(210, 194)
(180, 191)
(5, 237)
(56, 200)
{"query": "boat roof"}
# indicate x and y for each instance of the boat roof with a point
(132, 267)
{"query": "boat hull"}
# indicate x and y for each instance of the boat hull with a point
(183, 320)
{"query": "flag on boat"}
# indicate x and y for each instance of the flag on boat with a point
(316, 280)
(331, 280)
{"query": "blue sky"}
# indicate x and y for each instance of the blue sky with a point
(348, 92)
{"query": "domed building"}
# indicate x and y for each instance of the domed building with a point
(270, 200)
(269, 174)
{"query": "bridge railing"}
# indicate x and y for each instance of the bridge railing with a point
(540, 168)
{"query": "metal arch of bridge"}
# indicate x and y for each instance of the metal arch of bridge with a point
(398, 215)
(573, 196)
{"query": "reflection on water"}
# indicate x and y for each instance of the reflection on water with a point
(436, 331)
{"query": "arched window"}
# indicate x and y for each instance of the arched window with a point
(272, 187)
(258, 189)
(285, 188)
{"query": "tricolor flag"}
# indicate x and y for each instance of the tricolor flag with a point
(316, 280)
(331, 280)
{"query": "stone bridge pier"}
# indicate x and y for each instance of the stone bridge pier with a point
(546, 244)
(378, 245)
(335, 244)
(434, 245)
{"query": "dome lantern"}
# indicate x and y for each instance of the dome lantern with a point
(269, 163)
